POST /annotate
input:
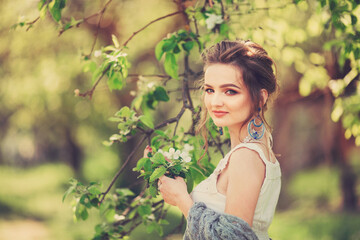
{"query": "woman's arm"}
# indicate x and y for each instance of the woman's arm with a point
(246, 173)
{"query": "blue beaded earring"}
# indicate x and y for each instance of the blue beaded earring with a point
(256, 130)
(221, 131)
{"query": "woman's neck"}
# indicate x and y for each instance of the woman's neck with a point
(238, 136)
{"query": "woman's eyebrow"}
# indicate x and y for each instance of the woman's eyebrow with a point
(229, 85)
(225, 85)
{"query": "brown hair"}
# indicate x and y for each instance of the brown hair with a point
(257, 72)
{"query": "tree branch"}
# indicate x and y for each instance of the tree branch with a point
(91, 91)
(153, 21)
(101, 13)
(122, 168)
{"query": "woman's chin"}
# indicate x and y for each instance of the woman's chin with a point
(219, 124)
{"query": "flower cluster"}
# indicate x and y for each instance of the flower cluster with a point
(173, 154)
(212, 20)
(171, 163)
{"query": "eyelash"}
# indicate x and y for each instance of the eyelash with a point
(227, 92)
(208, 90)
(231, 92)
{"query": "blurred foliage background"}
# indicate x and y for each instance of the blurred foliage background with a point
(47, 135)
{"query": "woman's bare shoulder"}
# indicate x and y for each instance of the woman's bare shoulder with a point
(247, 160)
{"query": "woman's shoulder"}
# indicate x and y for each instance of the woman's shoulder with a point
(243, 156)
(245, 161)
(262, 150)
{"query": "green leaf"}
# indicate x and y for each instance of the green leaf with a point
(155, 141)
(84, 200)
(115, 81)
(81, 212)
(176, 49)
(183, 34)
(147, 121)
(158, 158)
(160, 171)
(55, 8)
(151, 227)
(332, 4)
(160, 94)
(98, 229)
(169, 44)
(70, 190)
(187, 46)
(124, 112)
(158, 50)
(41, 4)
(96, 74)
(189, 181)
(150, 100)
(140, 164)
(43, 11)
(353, 20)
(125, 192)
(144, 210)
(115, 41)
(115, 119)
(153, 191)
(357, 53)
(62, 4)
(110, 214)
(136, 103)
(95, 202)
(224, 29)
(132, 213)
(90, 66)
(147, 165)
(94, 190)
(115, 137)
(161, 133)
(163, 222)
(84, 214)
(170, 65)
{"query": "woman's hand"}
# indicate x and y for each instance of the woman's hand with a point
(147, 150)
(172, 189)
(174, 192)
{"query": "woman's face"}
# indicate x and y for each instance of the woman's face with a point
(227, 99)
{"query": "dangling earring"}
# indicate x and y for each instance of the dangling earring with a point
(221, 131)
(256, 128)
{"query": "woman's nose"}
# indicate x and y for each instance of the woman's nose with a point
(217, 100)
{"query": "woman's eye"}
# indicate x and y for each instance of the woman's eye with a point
(231, 92)
(209, 90)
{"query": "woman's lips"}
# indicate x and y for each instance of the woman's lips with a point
(219, 114)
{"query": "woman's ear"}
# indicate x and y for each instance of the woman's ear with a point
(264, 96)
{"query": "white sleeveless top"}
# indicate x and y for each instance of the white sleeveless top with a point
(207, 192)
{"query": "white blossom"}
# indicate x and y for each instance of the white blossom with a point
(212, 20)
(97, 53)
(165, 154)
(185, 157)
(151, 85)
(118, 217)
(174, 154)
(188, 147)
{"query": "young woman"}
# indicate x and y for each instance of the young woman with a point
(238, 199)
